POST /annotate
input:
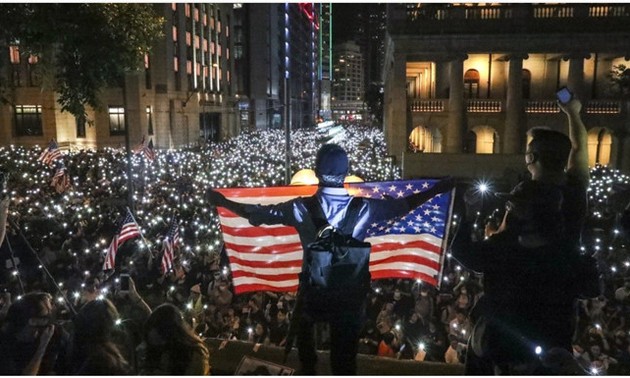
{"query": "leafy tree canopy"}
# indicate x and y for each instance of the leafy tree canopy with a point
(620, 77)
(82, 48)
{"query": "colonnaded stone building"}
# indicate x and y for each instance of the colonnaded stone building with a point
(463, 83)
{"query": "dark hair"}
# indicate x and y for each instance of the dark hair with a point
(551, 147)
(94, 351)
(30, 305)
(168, 321)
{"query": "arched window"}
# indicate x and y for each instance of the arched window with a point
(527, 82)
(599, 146)
(471, 84)
(424, 139)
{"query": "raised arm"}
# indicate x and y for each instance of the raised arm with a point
(578, 157)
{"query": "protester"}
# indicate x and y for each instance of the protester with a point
(172, 348)
(97, 346)
(91, 206)
(30, 344)
(331, 168)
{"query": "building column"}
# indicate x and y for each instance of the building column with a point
(442, 79)
(575, 79)
(515, 128)
(395, 115)
(456, 107)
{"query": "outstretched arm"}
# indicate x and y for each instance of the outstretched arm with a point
(219, 199)
(578, 157)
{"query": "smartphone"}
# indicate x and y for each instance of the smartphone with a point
(564, 95)
(124, 282)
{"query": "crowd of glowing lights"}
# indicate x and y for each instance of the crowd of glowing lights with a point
(171, 185)
(174, 183)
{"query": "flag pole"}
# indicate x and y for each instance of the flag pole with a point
(128, 149)
(28, 246)
(140, 231)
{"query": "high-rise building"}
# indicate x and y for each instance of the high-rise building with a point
(325, 65)
(185, 94)
(348, 84)
(280, 41)
(465, 82)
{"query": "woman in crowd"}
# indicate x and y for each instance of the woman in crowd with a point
(95, 350)
(172, 348)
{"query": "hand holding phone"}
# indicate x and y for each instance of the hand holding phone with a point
(564, 95)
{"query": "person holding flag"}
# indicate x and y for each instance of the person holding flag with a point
(128, 230)
(331, 168)
(61, 179)
(171, 241)
(146, 149)
(50, 153)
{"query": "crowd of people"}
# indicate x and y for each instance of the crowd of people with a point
(158, 325)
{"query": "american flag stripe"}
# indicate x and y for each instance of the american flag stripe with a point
(128, 230)
(269, 257)
(170, 242)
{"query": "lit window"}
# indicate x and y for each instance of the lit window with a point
(187, 10)
(146, 61)
(189, 67)
(116, 120)
(28, 120)
(175, 64)
(174, 33)
(188, 38)
(33, 59)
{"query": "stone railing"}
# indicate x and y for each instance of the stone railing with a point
(507, 18)
(426, 106)
(497, 106)
(603, 107)
(541, 106)
(483, 106)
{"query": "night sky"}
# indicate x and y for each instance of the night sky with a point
(343, 25)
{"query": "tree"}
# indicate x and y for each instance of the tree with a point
(620, 78)
(82, 48)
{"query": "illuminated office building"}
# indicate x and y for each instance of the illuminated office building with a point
(184, 96)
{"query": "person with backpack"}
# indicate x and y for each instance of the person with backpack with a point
(335, 278)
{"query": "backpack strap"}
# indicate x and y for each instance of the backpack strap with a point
(319, 219)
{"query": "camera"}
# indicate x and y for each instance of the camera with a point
(124, 282)
(564, 95)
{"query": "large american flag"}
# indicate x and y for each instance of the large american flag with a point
(128, 230)
(50, 153)
(170, 243)
(269, 258)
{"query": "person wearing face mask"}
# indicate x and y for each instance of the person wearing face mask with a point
(30, 344)
(529, 284)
